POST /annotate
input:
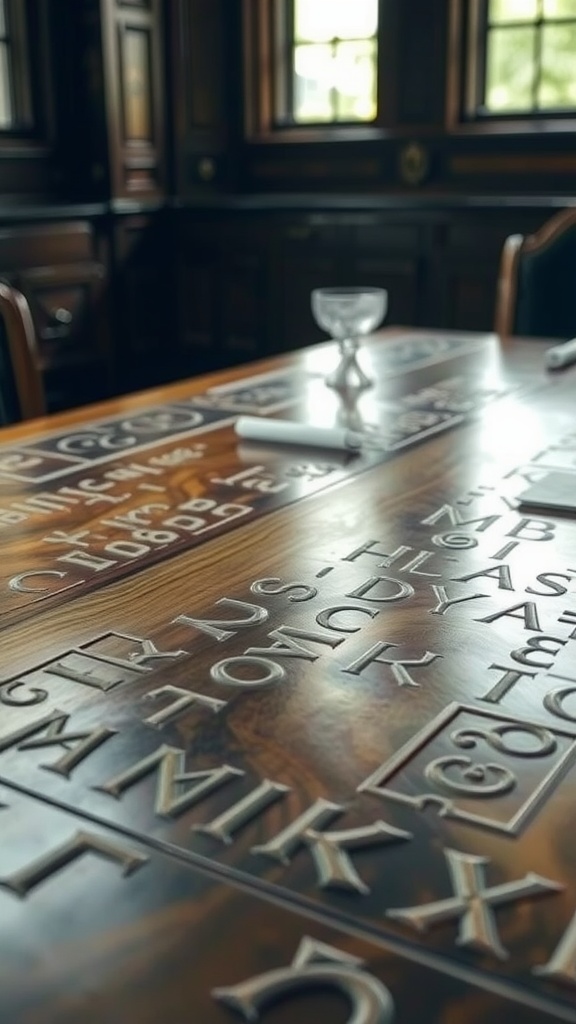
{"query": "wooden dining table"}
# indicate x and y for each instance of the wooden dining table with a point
(288, 732)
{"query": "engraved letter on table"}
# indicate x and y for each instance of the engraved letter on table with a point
(315, 965)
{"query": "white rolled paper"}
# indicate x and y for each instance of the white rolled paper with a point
(561, 355)
(257, 428)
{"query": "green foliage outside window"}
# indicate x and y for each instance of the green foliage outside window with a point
(6, 103)
(530, 56)
(334, 61)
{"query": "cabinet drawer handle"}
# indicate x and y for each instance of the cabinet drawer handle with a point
(58, 324)
(61, 316)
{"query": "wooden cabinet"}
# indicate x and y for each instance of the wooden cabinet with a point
(245, 277)
(60, 269)
(125, 301)
(68, 305)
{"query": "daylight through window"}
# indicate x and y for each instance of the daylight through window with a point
(530, 56)
(333, 61)
(6, 99)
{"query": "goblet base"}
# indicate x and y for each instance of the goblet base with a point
(348, 374)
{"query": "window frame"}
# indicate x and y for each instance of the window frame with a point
(266, 30)
(17, 45)
(28, 31)
(466, 63)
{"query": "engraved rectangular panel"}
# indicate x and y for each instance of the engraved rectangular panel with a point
(479, 767)
(136, 84)
(134, 77)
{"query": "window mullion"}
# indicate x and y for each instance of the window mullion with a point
(290, 51)
(537, 76)
(483, 63)
(7, 101)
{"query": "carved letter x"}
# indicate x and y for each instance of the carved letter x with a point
(472, 903)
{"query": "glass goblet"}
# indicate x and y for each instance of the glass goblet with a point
(347, 314)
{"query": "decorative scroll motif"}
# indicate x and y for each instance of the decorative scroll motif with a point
(455, 782)
(476, 778)
(315, 965)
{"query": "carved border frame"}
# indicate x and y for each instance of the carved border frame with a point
(447, 808)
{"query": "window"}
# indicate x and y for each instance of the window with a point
(6, 97)
(526, 58)
(15, 102)
(329, 73)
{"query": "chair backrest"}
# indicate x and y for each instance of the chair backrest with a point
(537, 282)
(21, 388)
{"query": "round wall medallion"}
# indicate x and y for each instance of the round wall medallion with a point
(414, 163)
(206, 168)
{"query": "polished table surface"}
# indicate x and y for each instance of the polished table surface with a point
(290, 733)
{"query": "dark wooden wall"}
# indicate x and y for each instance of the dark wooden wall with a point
(159, 228)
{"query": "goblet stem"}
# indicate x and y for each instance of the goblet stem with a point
(348, 373)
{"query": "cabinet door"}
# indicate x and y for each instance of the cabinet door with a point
(198, 307)
(224, 292)
(133, 52)
(144, 302)
(244, 290)
(465, 268)
(69, 306)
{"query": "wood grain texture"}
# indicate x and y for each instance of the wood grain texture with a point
(351, 718)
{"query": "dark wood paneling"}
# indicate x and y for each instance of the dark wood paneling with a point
(225, 284)
(194, 290)
(245, 280)
(82, 155)
(135, 98)
(144, 301)
(419, 62)
(204, 71)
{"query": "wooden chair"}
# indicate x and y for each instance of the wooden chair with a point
(536, 294)
(21, 388)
